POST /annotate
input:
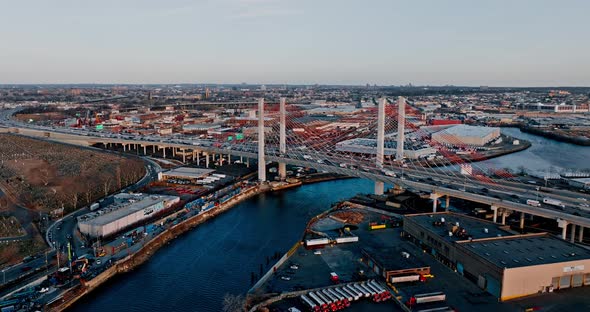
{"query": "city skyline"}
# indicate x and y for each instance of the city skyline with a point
(499, 43)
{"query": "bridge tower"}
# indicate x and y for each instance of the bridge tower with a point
(401, 125)
(282, 138)
(261, 160)
(379, 187)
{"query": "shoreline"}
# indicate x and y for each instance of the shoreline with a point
(132, 261)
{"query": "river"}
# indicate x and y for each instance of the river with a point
(196, 270)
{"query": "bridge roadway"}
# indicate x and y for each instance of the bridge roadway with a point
(437, 184)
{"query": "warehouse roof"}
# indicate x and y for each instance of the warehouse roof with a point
(468, 131)
(519, 251)
(474, 227)
(118, 211)
(391, 258)
(187, 172)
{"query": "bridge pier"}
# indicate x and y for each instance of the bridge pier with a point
(261, 159)
(183, 156)
(145, 149)
(153, 149)
(522, 221)
(282, 137)
(495, 210)
(198, 158)
(581, 234)
(434, 198)
(563, 225)
(379, 188)
(401, 124)
(504, 213)
(447, 203)
(124, 147)
(573, 233)
(173, 151)
(207, 160)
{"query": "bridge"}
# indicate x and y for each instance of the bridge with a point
(279, 134)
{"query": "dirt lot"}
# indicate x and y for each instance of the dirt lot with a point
(44, 176)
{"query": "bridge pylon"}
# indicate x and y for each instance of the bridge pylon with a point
(379, 186)
(282, 137)
(261, 158)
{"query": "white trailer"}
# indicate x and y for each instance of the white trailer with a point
(357, 294)
(309, 303)
(317, 242)
(319, 300)
(553, 202)
(430, 297)
(346, 295)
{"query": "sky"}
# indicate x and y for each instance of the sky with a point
(383, 42)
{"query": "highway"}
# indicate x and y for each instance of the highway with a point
(510, 195)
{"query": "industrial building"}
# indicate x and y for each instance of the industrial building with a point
(369, 146)
(505, 264)
(466, 135)
(184, 173)
(128, 209)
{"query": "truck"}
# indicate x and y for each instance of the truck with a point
(428, 297)
(553, 202)
(532, 202)
(94, 206)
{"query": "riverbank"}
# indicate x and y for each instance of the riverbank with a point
(582, 141)
(142, 255)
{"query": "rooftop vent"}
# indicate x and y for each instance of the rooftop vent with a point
(485, 230)
(442, 220)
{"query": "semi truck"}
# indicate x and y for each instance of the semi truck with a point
(428, 297)
(553, 202)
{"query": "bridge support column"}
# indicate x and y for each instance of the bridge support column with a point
(261, 159)
(282, 137)
(379, 188)
(153, 149)
(447, 203)
(573, 233)
(495, 210)
(563, 225)
(522, 221)
(145, 149)
(194, 155)
(164, 152)
(504, 214)
(183, 156)
(207, 160)
(173, 151)
(247, 162)
(381, 143)
(124, 147)
(401, 124)
(434, 198)
(198, 158)
(581, 234)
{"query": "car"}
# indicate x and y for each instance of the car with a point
(44, 290)
(285, 278)
(294, 267)
(98, 261)
(317, 252)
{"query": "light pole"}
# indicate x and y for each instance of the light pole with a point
(3, 276)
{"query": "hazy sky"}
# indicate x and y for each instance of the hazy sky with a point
(471, 42)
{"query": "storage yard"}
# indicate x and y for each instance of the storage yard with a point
(387, 265)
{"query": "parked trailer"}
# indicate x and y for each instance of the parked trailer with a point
(312, 306)
(330, 303)
(430, 297)
(340, 300)
(321, 303)
(346, 295)
(405, 278)
(343, 298)
(363, 291)
(385, 292)
(333, 300)
(94, 206)
(317, 242)
(357, 294)
(367, 289)
(376, 294)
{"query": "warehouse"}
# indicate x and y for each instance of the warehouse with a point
(505, 264)
(369, 146)
(466, 135)
(184, 173)
(127, 210)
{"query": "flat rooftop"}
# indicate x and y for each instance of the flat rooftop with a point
(475, 228)
(519, 251)
(187, 172)
(118, 211)
(468, 131)
(391, 259)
